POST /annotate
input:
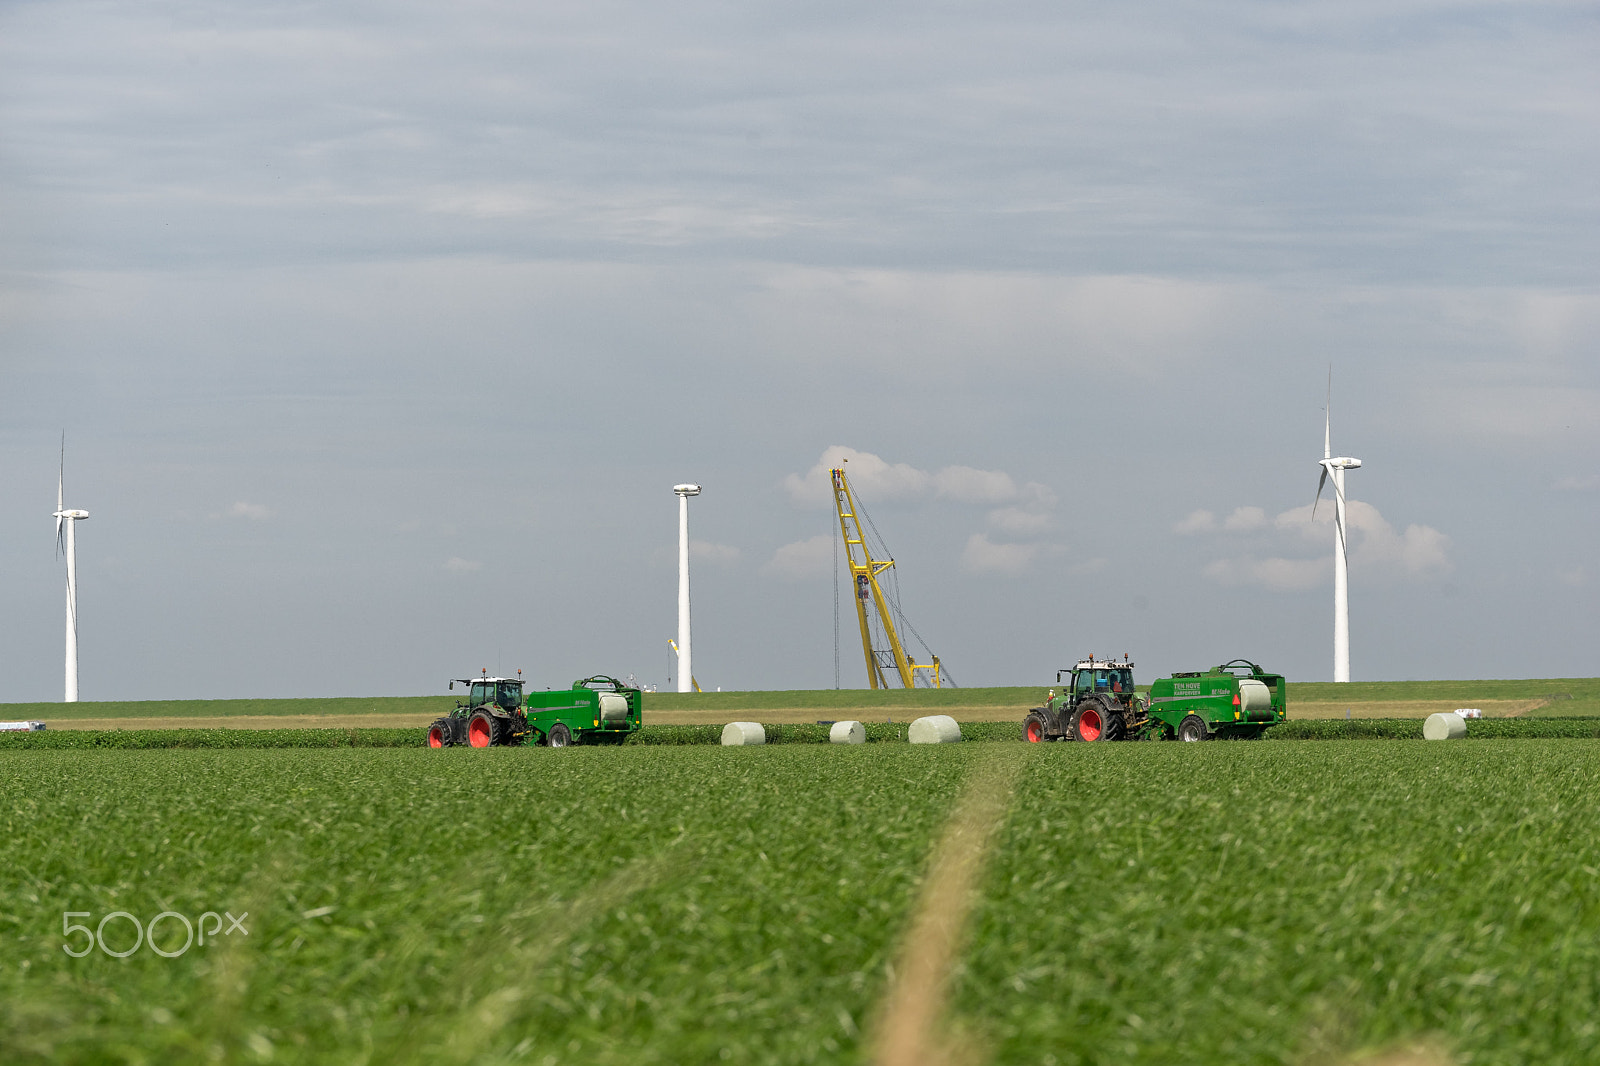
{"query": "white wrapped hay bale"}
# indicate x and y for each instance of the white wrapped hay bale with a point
(847, 733)
(1444, 727)
(736, 734)
(934, 729)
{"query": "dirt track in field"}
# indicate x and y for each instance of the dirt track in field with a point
(419, 721)
(836, 714)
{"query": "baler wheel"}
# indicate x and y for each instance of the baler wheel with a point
(1192, 728)
(560, 736)
(483, 730)
(1035, 729)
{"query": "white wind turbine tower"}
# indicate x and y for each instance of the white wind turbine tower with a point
(685, 670)
(66, 543)
(1337, 465)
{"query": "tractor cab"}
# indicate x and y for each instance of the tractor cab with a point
(1095, 677)
(502, 692)
(1116, 681)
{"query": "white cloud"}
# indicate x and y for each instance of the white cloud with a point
(867, 472)
(878, 479)
(984, 556)
(253, 511)
(1196, 522)
(1277, 574)
(1242, 520)
(1245, 519)
(966, 484)
(1018, 522)
(802, 560)
(1418, 552)
(713, 553)
(457, 565)
(1024, 514)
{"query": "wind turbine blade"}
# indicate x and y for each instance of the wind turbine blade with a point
(1327, 421)
(61, 491)
(1321, 481)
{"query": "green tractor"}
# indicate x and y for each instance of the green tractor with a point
(596, 710)
(1096, 703)
(1236, 699)
(490, 716)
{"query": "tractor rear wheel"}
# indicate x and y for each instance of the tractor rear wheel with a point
(1096, 721)
(560, 736)
(483, 730)
(1192, 728)
(1035, 729)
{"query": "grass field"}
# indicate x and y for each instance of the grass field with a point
(1218, 903)
(1577, 697)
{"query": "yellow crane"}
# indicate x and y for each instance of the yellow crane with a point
(674, 646)
(890, 655)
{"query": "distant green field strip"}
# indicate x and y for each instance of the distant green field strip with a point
(1464, 692)
(329, 705)
(1568, 696)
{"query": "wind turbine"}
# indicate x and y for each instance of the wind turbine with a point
(67, 544)
(685, 667)
(1336, 466)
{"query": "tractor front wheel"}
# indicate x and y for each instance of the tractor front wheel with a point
(560, 736)
(1192, 728)
(1035, 729)
(440, 735)
(483, 730)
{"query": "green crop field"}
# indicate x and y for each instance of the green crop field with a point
(1216, 903)
(1549, 697)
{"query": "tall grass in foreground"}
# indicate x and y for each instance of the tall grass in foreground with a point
(1146, 903)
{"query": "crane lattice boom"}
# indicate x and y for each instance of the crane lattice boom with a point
(885, 655)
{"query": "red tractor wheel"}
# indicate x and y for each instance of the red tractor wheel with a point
(1033, 729)
(481, 731)
(435, 736)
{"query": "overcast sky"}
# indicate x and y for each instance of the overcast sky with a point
(380, 333)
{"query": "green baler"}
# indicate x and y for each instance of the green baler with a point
(1236, 699)
(595, 710)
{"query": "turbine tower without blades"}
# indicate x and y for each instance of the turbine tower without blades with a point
(1335, 466)
(67, 544)
(685, 670)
